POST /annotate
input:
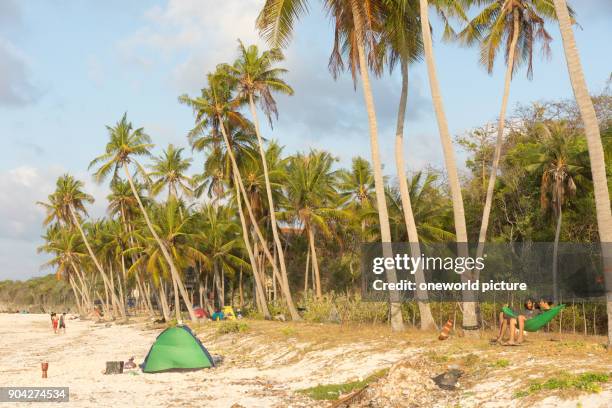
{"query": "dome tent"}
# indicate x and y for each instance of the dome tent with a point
(177, 348)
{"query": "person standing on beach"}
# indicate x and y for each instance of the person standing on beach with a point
(54, 321)
(62, 322)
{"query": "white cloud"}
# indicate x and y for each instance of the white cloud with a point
(16, 86)
(193, 36)
(22, 187)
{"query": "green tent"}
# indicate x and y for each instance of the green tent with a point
(177, 348)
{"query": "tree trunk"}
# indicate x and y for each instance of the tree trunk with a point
(77, 295)
(164, 302)
(315, 262)
(279, 247)
(286, 291)
(486, 212)
(469, 307)
(173, 271)
(240, 291)
(260, 297)
(218, 286)
(306, 273)
(596, 153)
(90, 251)
(427, 320)
(397, 322)
(555, 260)
(177, 301)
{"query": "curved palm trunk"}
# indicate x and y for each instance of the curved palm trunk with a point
(306, 272)
(555, 261)
(285, 287)
(177, 301)
(173, 271)
(397, 321)
(427, 320)
(91, 254)
(262, 154)
(596, 154)
(486, 212)
(163, 300)
(78, 297)
(261, 298)
(315, 261)
(469, 306)
(88, 305)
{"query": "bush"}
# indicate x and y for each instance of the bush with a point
(232, 326)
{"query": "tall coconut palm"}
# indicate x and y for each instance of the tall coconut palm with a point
(124, 146)
(66, 204)
(213, 109)
(168, 171)
(559, 173)
(66, 248)
(356, 19)
(257, 79)
(469, 306)
(310, 198)
(218, 165)
(401, 41)
(516, 26)
(596, 152)
(123, 204)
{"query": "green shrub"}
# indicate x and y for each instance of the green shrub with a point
(589, 382)
(334, 391)
(232, 326)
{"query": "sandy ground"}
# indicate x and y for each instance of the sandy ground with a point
(266, 365)
(77, 359)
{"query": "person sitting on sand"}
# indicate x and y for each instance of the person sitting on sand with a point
(129, 364)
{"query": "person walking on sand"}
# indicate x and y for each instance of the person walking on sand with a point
(55, 322)
(62, 322)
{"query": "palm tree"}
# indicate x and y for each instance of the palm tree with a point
(218, 234)
(430, 210)
(352, 19)
(65, 205)
(401, 40)
(256, 79)
(559, 173)
(66, 247)
(454, 9)
(125, 144)
(356, 187)
(593, 137)
(213, 109)
(168, 171)
(123, 204)
(310, 198)
(516, 26)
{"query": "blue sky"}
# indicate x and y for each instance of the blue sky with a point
(68, 68)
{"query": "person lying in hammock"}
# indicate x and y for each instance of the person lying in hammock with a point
(531, 309)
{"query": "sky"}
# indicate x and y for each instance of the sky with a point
(69, 68)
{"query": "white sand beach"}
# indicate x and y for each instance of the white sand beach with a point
(77, 359)
(266, 365)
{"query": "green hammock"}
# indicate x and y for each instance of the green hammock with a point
(536, 323)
